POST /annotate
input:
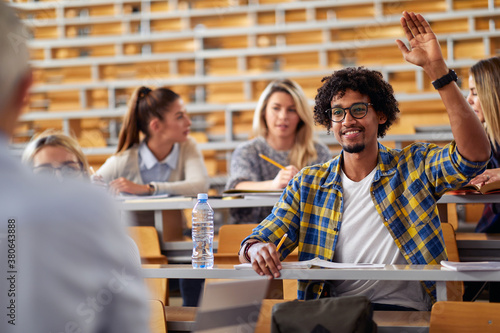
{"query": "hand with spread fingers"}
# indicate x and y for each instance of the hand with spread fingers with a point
(488, 176)
(425, 50)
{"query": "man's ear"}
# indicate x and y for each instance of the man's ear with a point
(382, 118)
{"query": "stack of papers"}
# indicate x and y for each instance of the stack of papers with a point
(316, 262)
(471, 266)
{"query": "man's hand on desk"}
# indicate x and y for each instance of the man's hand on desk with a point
(263, 257)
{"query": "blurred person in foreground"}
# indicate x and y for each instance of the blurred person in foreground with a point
(373, 204)
(61, 244)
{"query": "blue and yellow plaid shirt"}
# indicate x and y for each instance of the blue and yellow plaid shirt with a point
(406, 186)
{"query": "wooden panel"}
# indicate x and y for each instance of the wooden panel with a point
(262, 63)
(106, 10)
(63, 74)
(221, 66)
(225, 93)
(469, 49)
(94, 30)
(367, 32)
(41, 14)
(310, 85)
(345, 12)
(129, 8)
(417, 6)
(470, 4)
(221, 21)
(186, 67)
(64, 100)
(266, 40)
(403, 82)
(483, 23)
(159, 6)
(40, 32)
(462, 317)
(381, 55)
(230, 42)
(299, 61)
(306, 37)
(266, 18)
(97, 98)
(450, 26)
(296, 15)
(166, 25)
(182, 45)
(209, 3)
(418, 106)
(96, 51)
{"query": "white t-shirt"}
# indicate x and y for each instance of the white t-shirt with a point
(363, 238)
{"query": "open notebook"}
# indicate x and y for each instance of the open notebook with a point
(230, 306)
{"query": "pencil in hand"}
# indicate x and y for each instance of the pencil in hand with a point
(281, 242)
(271, 161)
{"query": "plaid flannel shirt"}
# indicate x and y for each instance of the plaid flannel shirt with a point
(406, 186)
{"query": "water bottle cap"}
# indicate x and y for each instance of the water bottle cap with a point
(202, 196)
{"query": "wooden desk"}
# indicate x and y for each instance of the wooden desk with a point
(388, 273)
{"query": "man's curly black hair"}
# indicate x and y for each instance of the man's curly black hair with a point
(360, 79)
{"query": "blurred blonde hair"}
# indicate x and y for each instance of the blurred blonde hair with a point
(486, 75)
(14, 54)
(55, 138)
(303, 152)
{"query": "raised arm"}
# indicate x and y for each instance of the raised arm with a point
(425, 52)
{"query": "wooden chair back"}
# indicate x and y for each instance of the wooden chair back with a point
(465, 317)
(157, 320)
(148, 244)
(454, 289)
(147, 241)
(231, 235)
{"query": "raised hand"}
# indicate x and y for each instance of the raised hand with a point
(425, 50)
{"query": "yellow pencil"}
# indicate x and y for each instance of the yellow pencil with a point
(271, 161)
(281, 242)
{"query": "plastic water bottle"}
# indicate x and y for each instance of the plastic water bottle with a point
(203, 233)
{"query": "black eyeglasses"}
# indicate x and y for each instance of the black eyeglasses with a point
(69, 170)
(357, 110)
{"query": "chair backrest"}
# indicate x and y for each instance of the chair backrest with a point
(450, 241)
(454, 289)
(462, 317)
(157, 320)
(231, 235)
(148, 244)
(146, 239)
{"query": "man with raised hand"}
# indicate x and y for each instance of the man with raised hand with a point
(372, 204)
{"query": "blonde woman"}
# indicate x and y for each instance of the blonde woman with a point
(484, 97)
(55, 153)
(283, 126)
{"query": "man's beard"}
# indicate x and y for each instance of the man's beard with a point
(357, 148)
